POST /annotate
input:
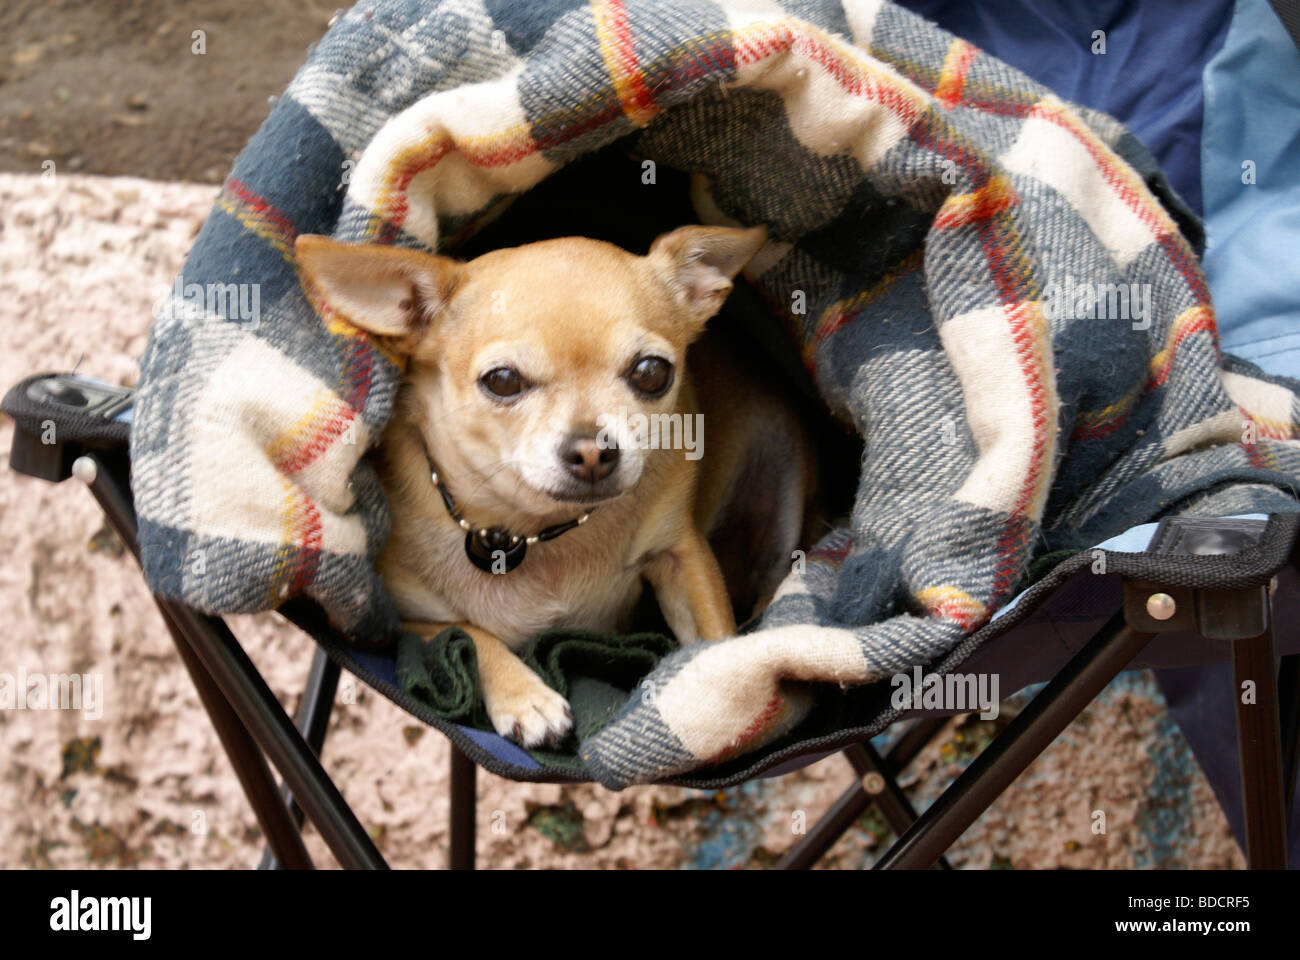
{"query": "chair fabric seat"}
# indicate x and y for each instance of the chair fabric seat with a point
(1028, 642)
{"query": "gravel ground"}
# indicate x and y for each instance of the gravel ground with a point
(144, 782)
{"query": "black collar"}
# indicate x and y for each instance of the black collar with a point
(482, 544)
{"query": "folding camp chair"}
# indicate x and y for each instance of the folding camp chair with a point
(1193, 591)
(1186, 592)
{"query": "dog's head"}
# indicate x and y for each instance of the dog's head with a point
(528, 363)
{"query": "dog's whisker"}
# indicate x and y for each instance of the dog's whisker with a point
(494, 470)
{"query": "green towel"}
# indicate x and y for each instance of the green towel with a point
(596, 672)
(443, 673)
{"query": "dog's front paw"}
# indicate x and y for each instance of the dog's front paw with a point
(524, 709)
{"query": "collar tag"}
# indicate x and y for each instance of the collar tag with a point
(482, 547)
(483, 543)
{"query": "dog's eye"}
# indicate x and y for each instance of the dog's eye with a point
(651, 375)
(502, 382)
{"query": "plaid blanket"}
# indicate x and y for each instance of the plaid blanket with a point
(992, 284)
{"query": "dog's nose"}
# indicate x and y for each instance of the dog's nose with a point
(586, 459)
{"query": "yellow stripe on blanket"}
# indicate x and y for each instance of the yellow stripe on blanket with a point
(949, 603)
(257, 223)
(619, 53)
(1269, 405)
(953, 78)
(1191, 321)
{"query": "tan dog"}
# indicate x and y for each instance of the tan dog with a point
(518, 416)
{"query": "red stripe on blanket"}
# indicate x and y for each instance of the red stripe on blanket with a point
(257, 216)
(1000, 108)
(1193, 320)
(358, 371)
(953, 77)
(309, 536)
(750, 46)
(692, 61)
(302, 456)
(263, 207)
(1179, 254)
(397, 206)
(681, 66)
(1097, 431)
(769, 715)
(831, 555)
(1011, 275)
(333, 415)
(631, 84)
(950, 145)
(786, 37)
(982, 95)
(959, 210)
(1199, 320)
(1015, 286)
(1171, 243)
(1017, 291)
(1260, 456)
(847, 310)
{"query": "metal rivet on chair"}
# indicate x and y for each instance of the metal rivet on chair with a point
(873, 783)
(84, 469)
(1161, 606)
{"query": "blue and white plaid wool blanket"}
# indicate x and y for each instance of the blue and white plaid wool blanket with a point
(997, 291)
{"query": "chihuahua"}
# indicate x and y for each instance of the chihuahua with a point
(544, 458)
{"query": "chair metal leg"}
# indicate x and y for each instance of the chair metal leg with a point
(312, 721)
(251, 699)
(1028, 735)
(1288, 695)
(889, 796)
(843, 813)
(284, 841)
(271, 727)
(855, 800)
(1254, 661)
(464, 800)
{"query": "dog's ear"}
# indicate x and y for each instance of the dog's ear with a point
(388, 291)
(699, 262)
